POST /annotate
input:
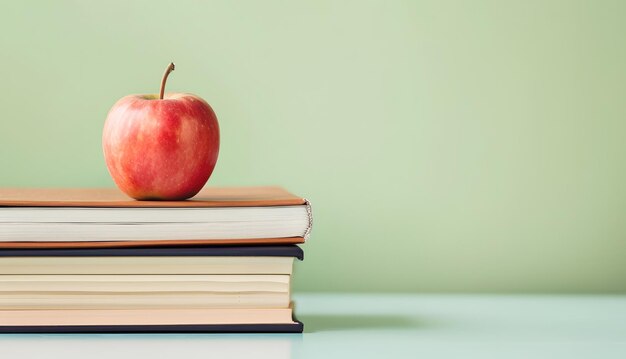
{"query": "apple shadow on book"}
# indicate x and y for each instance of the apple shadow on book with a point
(327, 322)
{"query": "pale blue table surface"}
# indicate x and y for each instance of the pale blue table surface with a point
(383, 326)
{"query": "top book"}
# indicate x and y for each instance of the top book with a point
(47, 218)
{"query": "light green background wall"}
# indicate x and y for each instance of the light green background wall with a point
(447, 146)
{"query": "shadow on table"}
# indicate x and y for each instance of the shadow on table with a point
(318, 323)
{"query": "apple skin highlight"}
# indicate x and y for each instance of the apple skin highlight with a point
(161, 149)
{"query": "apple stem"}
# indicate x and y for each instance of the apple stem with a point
(169, 69)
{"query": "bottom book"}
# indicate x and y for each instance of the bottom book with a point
(271, 320)
(148, 290)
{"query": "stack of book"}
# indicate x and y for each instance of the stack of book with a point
(92, 260)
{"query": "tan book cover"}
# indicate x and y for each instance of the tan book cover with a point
(112, 197)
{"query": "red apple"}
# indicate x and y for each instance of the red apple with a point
(161, 147)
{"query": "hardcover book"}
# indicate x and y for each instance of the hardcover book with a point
(148, 290)
(100, 218)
